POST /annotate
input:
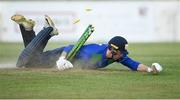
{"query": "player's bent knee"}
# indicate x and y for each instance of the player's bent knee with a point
(20, 63)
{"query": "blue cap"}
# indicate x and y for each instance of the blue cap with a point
(118, 43)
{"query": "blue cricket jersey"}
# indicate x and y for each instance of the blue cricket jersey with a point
(94, 56)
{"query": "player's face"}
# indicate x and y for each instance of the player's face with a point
(114, 54)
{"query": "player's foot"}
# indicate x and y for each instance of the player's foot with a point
(21, 20)
(156, 68)
(50, 23)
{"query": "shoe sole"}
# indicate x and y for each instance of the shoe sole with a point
(51, 24)
(18, 18)
(21, 20)
(49, 21)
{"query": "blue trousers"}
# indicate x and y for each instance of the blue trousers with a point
(33, 54)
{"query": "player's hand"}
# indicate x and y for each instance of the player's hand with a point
(156, 68)
(63, 64)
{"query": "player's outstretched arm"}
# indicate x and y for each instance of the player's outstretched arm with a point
(155, 68)
(137, 66)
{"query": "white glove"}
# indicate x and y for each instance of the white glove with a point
(156, 67)
(63, 64)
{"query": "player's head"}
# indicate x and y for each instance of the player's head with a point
(117, 45)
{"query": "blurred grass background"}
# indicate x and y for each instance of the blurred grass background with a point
(113, 82)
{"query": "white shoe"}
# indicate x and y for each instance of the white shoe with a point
(156, 68)
(28, 24)
(50, 23)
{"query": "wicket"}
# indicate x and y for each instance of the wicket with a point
(89, 30)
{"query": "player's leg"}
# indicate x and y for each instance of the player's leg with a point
(28, 36)
(36, 46)
(49, 58)
(48, 23)
(26, 27)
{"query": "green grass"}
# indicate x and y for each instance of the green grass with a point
(115, 81)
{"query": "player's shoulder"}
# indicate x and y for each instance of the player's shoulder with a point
(96, 45)
(94, 48)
